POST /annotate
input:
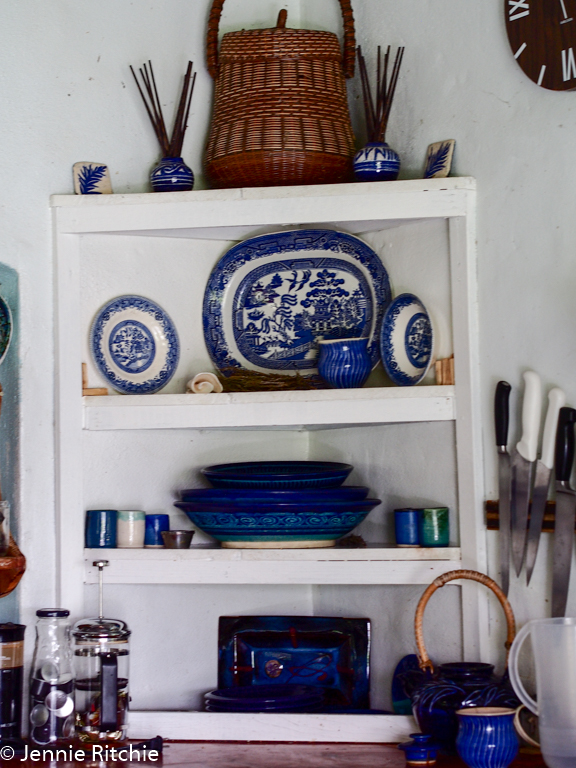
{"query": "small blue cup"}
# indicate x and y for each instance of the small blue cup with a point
(155, 524)
(101, 528)
(406, 527)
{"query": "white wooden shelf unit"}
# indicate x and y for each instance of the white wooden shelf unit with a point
(233, 215)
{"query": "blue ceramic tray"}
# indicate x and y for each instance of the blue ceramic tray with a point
(264, 651)
(245, 496)
(271, 297)
(285, 524)
(278, 475)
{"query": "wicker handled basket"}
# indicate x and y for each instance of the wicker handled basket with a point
(280, 105)
(423, 659)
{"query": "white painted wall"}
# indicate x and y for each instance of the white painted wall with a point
(66, 95)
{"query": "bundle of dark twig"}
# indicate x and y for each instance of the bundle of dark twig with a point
(172, 147)
(242, 380)
(377, 109)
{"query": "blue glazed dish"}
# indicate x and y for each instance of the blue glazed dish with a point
(247, 496)
(288, 525)
(406, 340)
(487, 737)
(271, 298)
(268, 652)
(278, 475)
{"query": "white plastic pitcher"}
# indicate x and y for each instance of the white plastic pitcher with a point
(554, 648)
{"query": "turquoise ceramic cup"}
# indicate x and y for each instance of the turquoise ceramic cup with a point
(434, 527)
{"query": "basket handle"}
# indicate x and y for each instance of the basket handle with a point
(349, 53)
(423, 659)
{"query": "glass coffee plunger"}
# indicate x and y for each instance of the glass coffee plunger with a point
(101, 655)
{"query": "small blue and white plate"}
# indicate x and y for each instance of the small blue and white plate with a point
(135, 345)
(6, 325)
(406, 340)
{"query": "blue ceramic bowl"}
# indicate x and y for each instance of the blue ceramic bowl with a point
(289, 525)
(243, 496)
(278, 474)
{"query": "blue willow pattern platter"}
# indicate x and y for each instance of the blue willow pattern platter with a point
(6, 325)
(270, 298)
(330, 652)
(406, 340)
(134, 345)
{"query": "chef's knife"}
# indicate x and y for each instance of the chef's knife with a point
(501, 414)
(556, 399)
(565, 512)
(523, 460)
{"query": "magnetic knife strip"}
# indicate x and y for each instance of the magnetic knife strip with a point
(493, 519)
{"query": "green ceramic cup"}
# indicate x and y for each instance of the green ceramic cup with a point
(434, 527)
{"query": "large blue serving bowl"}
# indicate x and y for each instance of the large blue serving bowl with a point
(278, 525)
(244, 496)
(278, 474)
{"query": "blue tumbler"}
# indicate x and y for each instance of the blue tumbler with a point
(155, 524)
(406, 527)
(101, 528)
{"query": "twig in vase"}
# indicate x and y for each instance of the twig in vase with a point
(377, 114)
(170, 147)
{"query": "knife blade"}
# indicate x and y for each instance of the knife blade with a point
(523, 461)
(556, 399)
(501, 419)
(565, 511)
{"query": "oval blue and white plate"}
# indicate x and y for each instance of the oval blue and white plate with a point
(270, 298)
(6, 326)
(406, 340)
(135, 345)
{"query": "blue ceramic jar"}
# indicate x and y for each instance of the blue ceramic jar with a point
(344, 363)
(376, 162)
(172, 175)
(486, 737)
(420, 751)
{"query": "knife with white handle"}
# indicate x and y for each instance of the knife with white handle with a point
(523, 461)
(556, 399)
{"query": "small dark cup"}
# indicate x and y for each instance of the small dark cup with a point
(177, 539)
(101, 528)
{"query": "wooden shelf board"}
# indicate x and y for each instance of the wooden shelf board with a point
(272, 410)
(215, 565)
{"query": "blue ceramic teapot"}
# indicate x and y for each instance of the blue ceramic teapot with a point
(437, 694)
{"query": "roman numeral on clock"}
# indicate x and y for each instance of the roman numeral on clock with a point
(517, 9)
(568, 65)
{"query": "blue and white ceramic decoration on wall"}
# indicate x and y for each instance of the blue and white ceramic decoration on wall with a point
(406, 340)
(171, 175)
(439, 159)
(6, 326)
(135, 345)
(91, 179)
(376, 162)
(271, 298)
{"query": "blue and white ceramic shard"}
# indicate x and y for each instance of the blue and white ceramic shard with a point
(344, 363)
(406, 340)
(135, 345)
(376, 162)
(486, 737)
(172, 175)
(270, 298)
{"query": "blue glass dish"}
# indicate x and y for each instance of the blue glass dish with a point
(240, 496)
(278, 474)
(266, 652)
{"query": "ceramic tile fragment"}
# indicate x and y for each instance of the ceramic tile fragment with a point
(91, 179)
(439, 159)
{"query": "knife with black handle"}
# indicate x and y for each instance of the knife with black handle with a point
(501, 420)
(565, 511)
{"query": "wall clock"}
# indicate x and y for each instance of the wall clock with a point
(542, 35)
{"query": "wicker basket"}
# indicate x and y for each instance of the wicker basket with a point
(280, 105)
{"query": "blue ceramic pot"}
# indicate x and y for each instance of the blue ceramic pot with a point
(376, 162)
(420, 751)
(171, 175)
(344, 363)
(456, 686)
(486, 737)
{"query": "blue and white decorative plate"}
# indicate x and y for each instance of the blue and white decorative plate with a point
(406, 340)
(135, 345)
(270, 298)
(6, 325)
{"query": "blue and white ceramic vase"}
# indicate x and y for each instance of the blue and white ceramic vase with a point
(486, 737)
(376, 162)
(344, 363)
(172, 175)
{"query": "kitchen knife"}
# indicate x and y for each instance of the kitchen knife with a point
(523, 461)
(556, 399)
(565, 511)
(501, 414)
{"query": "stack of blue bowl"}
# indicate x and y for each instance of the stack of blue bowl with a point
(277, 504)
(265, 698)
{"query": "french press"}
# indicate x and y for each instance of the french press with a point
(101, 656)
